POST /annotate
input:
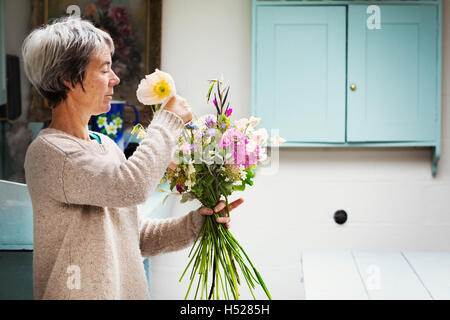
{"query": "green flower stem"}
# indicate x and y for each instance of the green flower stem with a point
(254, 269)
(215, 250)
(211, 222)
(227, 235)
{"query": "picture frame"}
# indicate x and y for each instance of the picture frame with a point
(145, 21)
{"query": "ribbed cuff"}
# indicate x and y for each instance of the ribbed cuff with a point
(167, 119)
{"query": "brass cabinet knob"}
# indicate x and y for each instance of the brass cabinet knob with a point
(353, 87)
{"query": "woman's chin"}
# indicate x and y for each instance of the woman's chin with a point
(104, 109)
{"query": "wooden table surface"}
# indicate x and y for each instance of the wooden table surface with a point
(358, 275)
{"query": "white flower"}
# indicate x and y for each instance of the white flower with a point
(156, 88)
(111, 128)
(101, 121)
(191, 169)
(251, 146)
(261, 136)
(254, 121)
(277, 140)
(118, 122)
(188, 183)
(241, 124)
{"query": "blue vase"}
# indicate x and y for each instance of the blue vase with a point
(111, 123)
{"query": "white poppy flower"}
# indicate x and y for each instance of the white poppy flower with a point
(156, 88)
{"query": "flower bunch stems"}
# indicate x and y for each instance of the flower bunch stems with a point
(215, 257)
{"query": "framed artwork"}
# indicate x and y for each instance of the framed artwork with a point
(134, 25)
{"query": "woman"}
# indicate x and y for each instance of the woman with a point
(88, 238)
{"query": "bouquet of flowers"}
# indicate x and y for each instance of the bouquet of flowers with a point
(214, 158)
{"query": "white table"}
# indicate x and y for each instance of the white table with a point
(357, 275)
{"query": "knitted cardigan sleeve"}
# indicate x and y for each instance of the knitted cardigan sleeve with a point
(86, 179)
(166, 235)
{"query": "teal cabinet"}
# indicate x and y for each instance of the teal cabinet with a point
(394, 70)
(301, 72)
(349, 73)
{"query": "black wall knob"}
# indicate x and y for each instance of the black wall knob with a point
(340, 216)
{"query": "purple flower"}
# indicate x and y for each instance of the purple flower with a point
(223, 124)
(229, 111)
(199, 134)
(209, 121)
(104, 4)
(191, 126)
(193, 147)
(211, 132)
(179, 189)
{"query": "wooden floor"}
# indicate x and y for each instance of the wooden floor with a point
(343, 275)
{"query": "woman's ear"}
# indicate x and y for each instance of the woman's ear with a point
(68, 84)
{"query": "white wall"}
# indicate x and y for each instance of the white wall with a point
(392, 200)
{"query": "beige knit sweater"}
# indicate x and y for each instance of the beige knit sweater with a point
(88, 238)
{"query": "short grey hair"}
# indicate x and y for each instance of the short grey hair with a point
(59, 52)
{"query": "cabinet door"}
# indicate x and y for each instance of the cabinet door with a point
(300, 72)
(395, 72)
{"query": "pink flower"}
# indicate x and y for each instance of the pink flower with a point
(234, 141)
(119, 14)
(245, 152)
(229, 111)
(185, 147)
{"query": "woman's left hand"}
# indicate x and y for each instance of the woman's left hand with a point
(220, 207)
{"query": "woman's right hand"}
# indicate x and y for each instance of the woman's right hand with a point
(180, 107)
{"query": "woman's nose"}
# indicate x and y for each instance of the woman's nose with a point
(115, 80)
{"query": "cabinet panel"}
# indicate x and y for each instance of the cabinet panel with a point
(300, 72)
(395, 72)
(16, 275)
